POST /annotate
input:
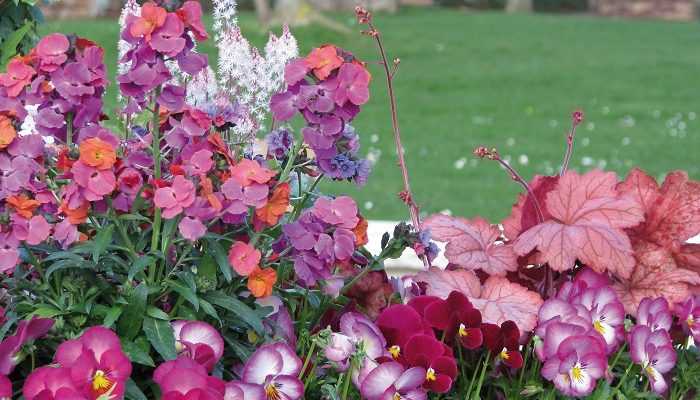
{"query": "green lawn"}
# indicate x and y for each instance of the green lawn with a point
(511, 82)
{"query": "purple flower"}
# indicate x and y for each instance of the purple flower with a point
(275, 368)
(168, 38)
(654, 352)
(688, 314)
(200, 162)
(339, 350)
(172, 97)
(364, 333)
(279, 143)
(607, 314)
(352, 85)
(392, 381)
(283, 105)
(96, 183)
(73, 82)
(192, 228)
(253, 195)
(27, 331)
(341, 211)
(655, 314)
(309, 269)
(142, 78)
(577, 365)
(51, 51)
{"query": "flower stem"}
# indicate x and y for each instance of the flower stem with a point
(477, 391)
(473, 378)
(308, 359)
(155, 146)
(346, 383)
(617, 356)
(622, 380)
(569, 146)
(527, 357)
(69, 130)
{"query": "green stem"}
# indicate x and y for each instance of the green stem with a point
(69, 130)
(477, 391)
(524, 367)
(346, 383)
(300, 207)
(308, 359)
(290, 162)
(473, 379)
(155, 149)
(617, 356)
(622, 380)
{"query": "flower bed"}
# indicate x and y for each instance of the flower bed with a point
(163, 253)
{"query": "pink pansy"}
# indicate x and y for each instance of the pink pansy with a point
(607, 314)
(655, 314)
(688, 314)
(192, 228)
(200, 162)
(275, 367)
(95, 183)
(339, 350)
(27, 331)
(51, 383)
(51, 51)
(185, 379)
(174, 199)
(200, 341)
(247, 172)
(168, 38)
(654, 352)
(243, 258)
(18, 76)
(244, 391)
(97, 363)
(364, 333)
(5, 388)
(353, 85)
(191, 14)
(392, 381)
(341, 211)
(578, 364)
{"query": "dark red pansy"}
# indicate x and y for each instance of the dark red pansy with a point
(503, 342)
(398, 323)
(437, 359)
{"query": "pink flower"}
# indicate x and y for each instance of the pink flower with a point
(192, 228)
(185, 379)
(18, 76)
(430, 354)
(339, 350)
(247, 172)
(200, 341)
(392, 381)
(688, 314)
(654, 352)
(5, 388)
(655, 314)
(244, 391)
(607, 314)
(577, 365)
(152, 17)
(51, 51)
(174, 199)
(51, 383)
(66, 233)
(253, 195)
(9, 255)
(200, 162)
(168, 38)
(341, 211)
(97, 363)
(33, 231)
(96, 183)
(243, 258)
(275, 368)
(353, 85)
(191, 14)
(27, 332)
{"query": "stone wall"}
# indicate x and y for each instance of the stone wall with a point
(676, 10)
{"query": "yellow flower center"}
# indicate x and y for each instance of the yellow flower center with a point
(396, 396)
(598, 326)
(577, 373)
(504, 354)
(100, 382)
(463, 330)
(395, 351)
(272, 393)
(690, 321)
(430, 375)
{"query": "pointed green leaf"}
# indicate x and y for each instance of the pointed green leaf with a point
(160, 334)
(101, 241)
(238, 308)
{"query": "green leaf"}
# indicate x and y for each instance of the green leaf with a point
(157, 313)
(9, 45)
(137, 354)
(186, 292)
(112, 316)
(221, 259)
(130, 321)
(160, 334)
(138, 266)
(209, 310)
(238, 308)
(68, 264)
(46, 312)
(133, 392)
(101, 241)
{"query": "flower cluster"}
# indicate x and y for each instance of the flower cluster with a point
(327, 88)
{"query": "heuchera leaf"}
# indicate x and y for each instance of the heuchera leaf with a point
(473, 244)
(499, 300)
(587, 217)
(524, 215)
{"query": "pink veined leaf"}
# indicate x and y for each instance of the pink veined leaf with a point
(587, 220)
(499, 299)
(524, 215)
(655, 275)
(472, 244)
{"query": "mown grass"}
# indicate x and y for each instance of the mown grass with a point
(509, 81)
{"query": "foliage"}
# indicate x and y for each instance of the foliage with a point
(18, 27)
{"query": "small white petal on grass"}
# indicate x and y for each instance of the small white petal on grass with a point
(374, 138)
(446, 211)
(510, 142)
(585, 141)
(656, 114)
(682, 125)
(523, 159)
(673, 132)
(590, 126)
(692, 116)
(626, 141)
(628, 121)
(459, 164)
(602, 163)
(473, 162)
(369, 205)
(605, 110)
(587, 161)
(553, 123)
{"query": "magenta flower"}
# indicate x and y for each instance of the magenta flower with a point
(97, 363)
(191, 14)
(353, 85)
(654, 352)
(364, 333)
(33, 231)
(295, 71)
(341, 212)
(244, 391)
(655, 314)
(185, 379)
(688, 314)
(96, 183)
(253, 195)
(73, 82)
(168, 38)
(339, 350)
(392, 381)
(172, 97)
(27, 332)
(51, 51)
(51, 383)
(5, 388)
(192, 228)
(66, 233)
(436, 358)
(275, 368)
(175, 198)
(577, 365)
(200, 341)
(398, 324)
(607, 314)
(17, 77)
(455, 316)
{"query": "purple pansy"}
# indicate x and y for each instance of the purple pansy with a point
(392, 381)
(654, 352)
(577, 365)
(275, 369)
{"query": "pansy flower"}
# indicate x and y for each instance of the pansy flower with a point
(436, 358)
(455, 316)
(27, 332)
(607, 314)
(51, 383)
(503, 342)
(275, 368)
(398, 323)
(392, 380)
(17, 77)
(184, 378)
(688, 314)
(200, 341)
(654, 352)
(364, 334)
(5, 388)
(578, 364)
(655, 314)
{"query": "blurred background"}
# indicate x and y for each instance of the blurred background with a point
(500, 73)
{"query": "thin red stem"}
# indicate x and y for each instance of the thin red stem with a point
(516, 177)
(569, 149)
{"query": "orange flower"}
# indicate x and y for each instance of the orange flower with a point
(261, 281)
(208, 193)
(7, 132)
(360, 231)
(23, 205)
(152, 17)
(64, 162)
(97, 153)
(275, 208)
(323, 61)
(75, 216)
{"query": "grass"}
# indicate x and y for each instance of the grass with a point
(509, 81)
